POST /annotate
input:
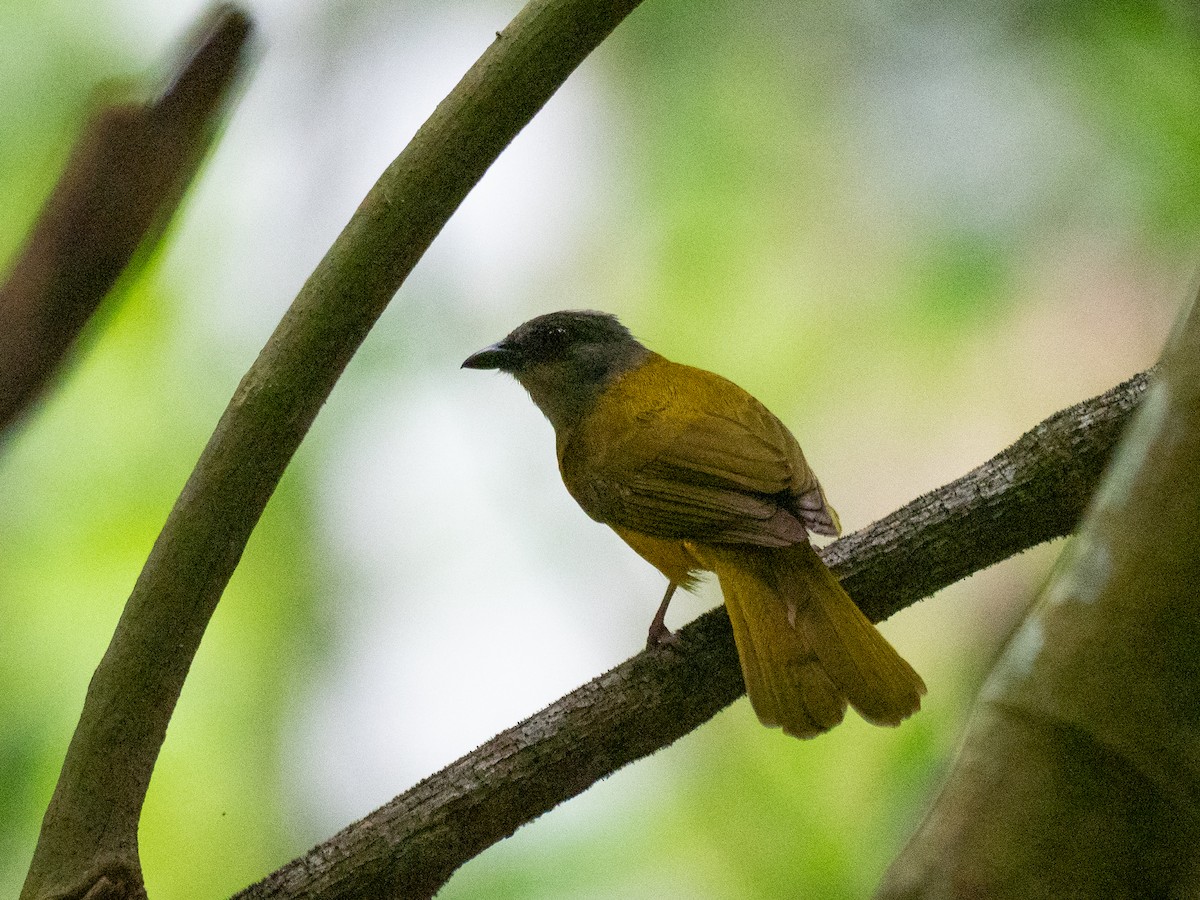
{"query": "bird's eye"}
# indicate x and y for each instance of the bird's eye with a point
(554, 338)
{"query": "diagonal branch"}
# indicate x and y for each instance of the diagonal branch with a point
(90, 829)
(125, 177)
(1033, 491)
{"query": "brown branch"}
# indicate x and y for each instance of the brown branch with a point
(97, 802)
(1032, 492)
(124, 179)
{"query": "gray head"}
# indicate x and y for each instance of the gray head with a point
(564, 359)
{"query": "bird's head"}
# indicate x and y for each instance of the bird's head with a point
(564, 359)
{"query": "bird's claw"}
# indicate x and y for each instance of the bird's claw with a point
(661, 637)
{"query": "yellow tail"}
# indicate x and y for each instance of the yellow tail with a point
(805, 647)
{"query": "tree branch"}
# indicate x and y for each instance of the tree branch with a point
(124, 179)
(1033, 491)
(97, 802)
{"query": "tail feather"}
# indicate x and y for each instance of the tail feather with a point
(786, 685)
(754, 671)
(806, 649)
(876, 680)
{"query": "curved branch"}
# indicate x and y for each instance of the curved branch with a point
(1033, 491)
(93, 815)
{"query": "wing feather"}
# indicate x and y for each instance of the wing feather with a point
(676, 452)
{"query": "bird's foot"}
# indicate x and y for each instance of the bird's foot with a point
(660, 636)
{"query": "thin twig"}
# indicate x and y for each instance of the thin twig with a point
(1033, 491)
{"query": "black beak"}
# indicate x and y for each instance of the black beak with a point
(498, 356)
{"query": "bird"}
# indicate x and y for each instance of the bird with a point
(696, 475)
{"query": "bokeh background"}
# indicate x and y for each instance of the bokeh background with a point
(914, 229)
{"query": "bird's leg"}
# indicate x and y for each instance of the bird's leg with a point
(660, 635)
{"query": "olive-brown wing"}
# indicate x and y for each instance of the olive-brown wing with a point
(724, 476)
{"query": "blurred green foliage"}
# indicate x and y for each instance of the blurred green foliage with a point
(85, 488)
(840, 207)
